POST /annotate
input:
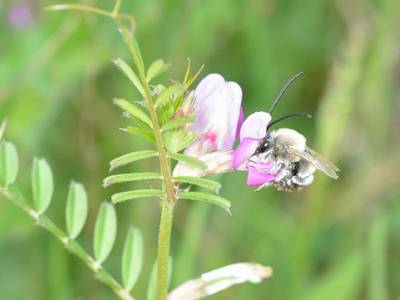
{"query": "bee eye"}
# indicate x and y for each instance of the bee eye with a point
(262, 147)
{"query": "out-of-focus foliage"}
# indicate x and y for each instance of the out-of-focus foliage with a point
(335, 240)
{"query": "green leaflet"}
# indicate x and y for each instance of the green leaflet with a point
(131, 157)
(132, 258)
(42, 185)
(8, 163)
(206, 197)
(146, 193)
(171, 92)
(176, 123)
(178, 140)
(188, 70)
(143, 132)
(105, 232)
(3, 128)
(188, 79)
(190, 160)
(130, 177)
(134, 111)
(156, 69)
(127, 70)
(200, 181)
(139, 53)
(76, 211)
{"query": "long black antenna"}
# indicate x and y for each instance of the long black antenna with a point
(299, 114)
(283, 90)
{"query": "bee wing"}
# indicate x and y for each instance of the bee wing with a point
(316, 160)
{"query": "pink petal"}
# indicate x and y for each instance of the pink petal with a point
(240, 123)
(21, 15)
(217, 105)
(244, 151)
(255, 177)
(255, 126)
(207, 86)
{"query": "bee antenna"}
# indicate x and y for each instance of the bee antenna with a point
(299, 114)
(283, 90)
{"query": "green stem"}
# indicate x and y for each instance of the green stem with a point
(164, 241)
(80, 7)
(70, 245)
(164, 237)
(170, 199)
(116, 7)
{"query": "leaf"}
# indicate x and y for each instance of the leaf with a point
(105, 232)
(188, 70)
(42, 185)
(178, 140)
(188, 79)
(156, 68)
(139, 53)
(143, 132)
(134, 111)
(206, 197)
(194, 77)
(3, 127)
(8, 163)
(132, 258)
(178, 122)
(76, 211)
(190, 160)
(170, 93)
(131, 157)
(120, 178)
(130, 74)
(124, 196)
(152, 285)
(199, 181)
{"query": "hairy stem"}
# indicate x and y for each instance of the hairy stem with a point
(70, 245)
(164, 240)
(170, 199)
(168, 204)
(164, 165)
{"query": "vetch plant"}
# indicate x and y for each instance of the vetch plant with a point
(194, 134)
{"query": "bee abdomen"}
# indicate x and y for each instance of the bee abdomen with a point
(300, 174)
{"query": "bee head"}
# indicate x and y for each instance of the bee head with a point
(264, 144)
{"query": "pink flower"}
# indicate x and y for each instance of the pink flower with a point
(21, 14)
(217, 105)
(280, 157)
(253, 131)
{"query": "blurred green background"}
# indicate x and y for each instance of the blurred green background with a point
(334, 240)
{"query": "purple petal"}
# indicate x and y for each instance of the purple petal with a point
(255, 177)
(255, 126)
(244, 151)
(21, 15)
(217, 105)
(207, 86)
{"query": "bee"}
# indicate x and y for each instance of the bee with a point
(293, 162)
